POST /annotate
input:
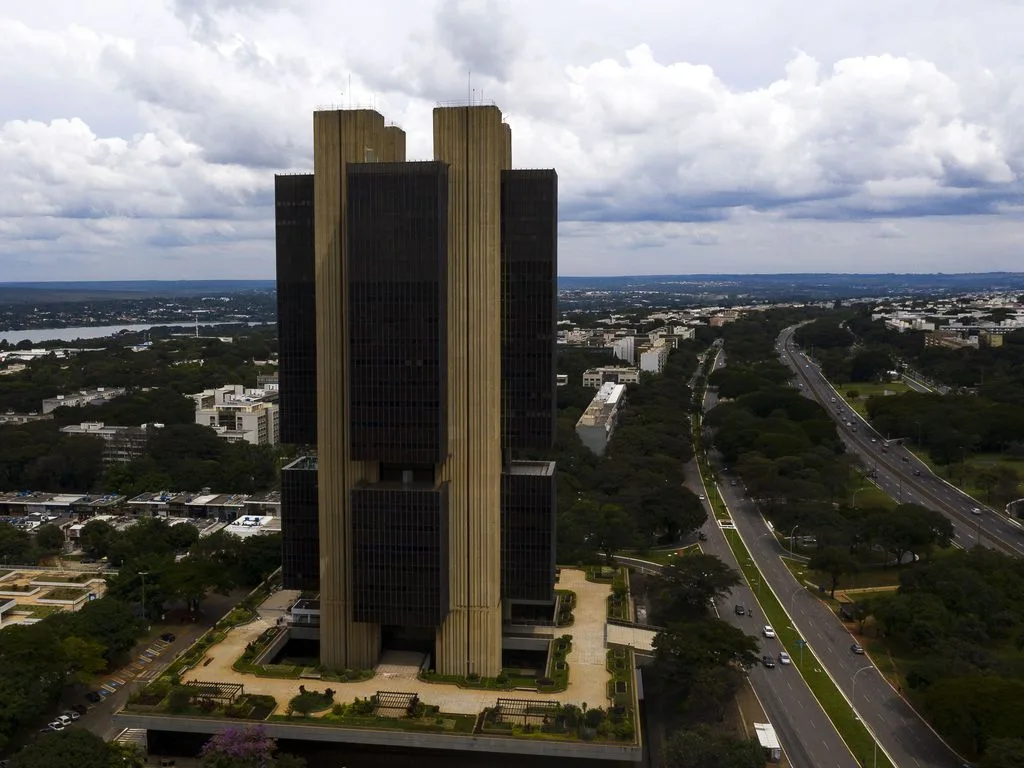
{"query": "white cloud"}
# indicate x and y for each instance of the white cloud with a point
(144, 138)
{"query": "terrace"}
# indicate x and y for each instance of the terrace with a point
(590, 708)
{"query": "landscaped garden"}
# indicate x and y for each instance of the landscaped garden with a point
(65, 593)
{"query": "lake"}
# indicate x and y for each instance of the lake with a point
(36, 335)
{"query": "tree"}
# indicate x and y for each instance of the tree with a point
(612, 530)
(15, 545)
(706, 748)
(110, 623)
(245, 748)
(72, 747)
(685, 648)
(84, 659)
(1004, 753)
(95, 538)
(49, 539)
(835, 562)
(688, 584)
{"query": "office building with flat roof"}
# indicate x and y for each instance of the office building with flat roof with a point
(417, 326)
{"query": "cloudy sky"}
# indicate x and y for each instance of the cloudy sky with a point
(139, 138)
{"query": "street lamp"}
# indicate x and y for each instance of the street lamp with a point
(865, 668)
(791, 532)
(792, 595)
(143, 575)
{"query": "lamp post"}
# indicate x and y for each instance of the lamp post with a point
(143, 575)
(792, 595)
(792, 531)
(865, 668)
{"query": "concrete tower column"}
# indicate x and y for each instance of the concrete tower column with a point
(477, 147)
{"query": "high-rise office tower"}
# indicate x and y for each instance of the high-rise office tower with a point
(434, 307)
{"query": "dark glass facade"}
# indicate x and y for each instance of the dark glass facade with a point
(400, 555)
(529, 263)
(398, 252)
(300, 525)
(528, 531)
(296, 308)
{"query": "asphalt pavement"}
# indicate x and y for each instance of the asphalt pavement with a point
(907, 739)
(899, 472)
(805, 732)
(99, 717)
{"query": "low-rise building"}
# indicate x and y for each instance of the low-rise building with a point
(23, 418)
(120, 444)
(82, 398)
(598, 422)
(597, 377)
(237, 413)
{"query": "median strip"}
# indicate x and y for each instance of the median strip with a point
(837, 708)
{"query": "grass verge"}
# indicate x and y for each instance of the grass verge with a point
(839, 711)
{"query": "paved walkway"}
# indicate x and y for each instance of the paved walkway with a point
(640, 639)
(588, 676)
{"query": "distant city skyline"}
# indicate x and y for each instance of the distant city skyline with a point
(140, 141)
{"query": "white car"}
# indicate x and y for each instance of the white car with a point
(976, 511)
(700, 496)
(64, 720)
(768, 631)
(784, 659)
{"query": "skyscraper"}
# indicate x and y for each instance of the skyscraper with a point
(433, 307)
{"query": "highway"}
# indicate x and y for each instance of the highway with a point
(906, 738)
(899, 472)
(805, 732)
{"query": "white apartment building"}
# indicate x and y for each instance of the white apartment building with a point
(624, 348)
(236, 413)
(596, 377)
(598, 422)
(81, 398)
(653, 357)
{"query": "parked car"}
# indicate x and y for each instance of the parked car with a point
(56, 725)
(784, 658)
(856, 648)
(768, 661)
(63, 720)
(72, 714)
(94, 697)
(168, 637)
(80, 708)
(768, 631)
(740, 609)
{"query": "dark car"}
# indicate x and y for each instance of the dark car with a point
(94, 697)
(740, 610)
(856, 648)
(768, 661)
(168, 637)
(917, 473)
(80, 708)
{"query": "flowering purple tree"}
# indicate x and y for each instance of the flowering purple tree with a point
(245, 748)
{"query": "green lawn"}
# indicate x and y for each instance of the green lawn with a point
(976, 462)
(665, 556)
(864, 391)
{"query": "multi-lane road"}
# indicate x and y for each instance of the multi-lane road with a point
(899, 472)
(805, 732)
(904, 736)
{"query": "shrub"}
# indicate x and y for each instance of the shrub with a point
(179, 699)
